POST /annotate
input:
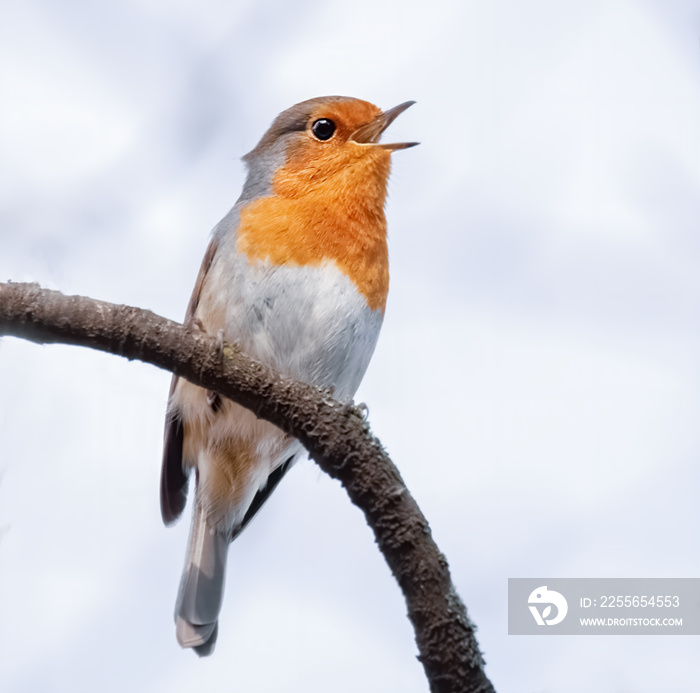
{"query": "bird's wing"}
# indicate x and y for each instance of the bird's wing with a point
(173, 479)
(262, 495)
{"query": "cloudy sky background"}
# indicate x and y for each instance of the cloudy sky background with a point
(537, 376)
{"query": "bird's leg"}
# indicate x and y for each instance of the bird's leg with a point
(213, 398)
(220, 344)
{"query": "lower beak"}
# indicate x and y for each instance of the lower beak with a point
(372, 131)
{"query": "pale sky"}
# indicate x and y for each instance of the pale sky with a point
(537, 376)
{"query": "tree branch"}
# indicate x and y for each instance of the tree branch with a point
(336, 436)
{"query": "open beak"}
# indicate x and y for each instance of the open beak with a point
(372, 131)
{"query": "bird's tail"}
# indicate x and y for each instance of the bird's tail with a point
(201, 586)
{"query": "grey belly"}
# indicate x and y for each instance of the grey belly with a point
(309, 323)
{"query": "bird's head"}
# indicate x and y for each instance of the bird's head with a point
(330, 140)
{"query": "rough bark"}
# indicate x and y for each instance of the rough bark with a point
(336, 436)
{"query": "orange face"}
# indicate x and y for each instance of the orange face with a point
(328, 201)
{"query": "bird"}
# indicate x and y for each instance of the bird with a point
(297, 275)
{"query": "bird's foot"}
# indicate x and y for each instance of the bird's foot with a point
(363, 409)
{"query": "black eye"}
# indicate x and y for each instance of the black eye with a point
(323, 129)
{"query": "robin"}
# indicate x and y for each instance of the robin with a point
(297, 274)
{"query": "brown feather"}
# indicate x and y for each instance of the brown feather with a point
(173, 476)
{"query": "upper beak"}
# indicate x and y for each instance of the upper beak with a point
(372, 131)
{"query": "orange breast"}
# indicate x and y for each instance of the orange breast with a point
(326, 209)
